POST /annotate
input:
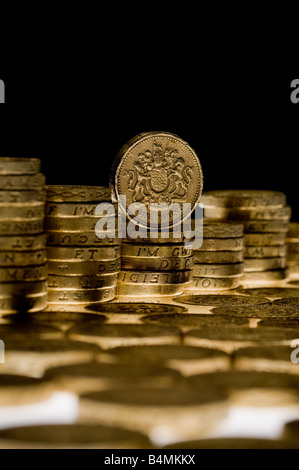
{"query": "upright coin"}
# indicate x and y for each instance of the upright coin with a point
(157, 167)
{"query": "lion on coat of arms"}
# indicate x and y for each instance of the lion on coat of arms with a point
(159, 176)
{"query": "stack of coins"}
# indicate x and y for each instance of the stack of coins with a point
(218, 264)
(156, 169)
(23, 261)
(83, 268)
(293, 250)
(155, 268)
(266, 217)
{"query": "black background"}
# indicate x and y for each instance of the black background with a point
(240, 122)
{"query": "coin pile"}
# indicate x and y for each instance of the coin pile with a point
(83, 268)
(23, 260)
(218, 264)
(154, 269)
(155, 168)
(293, 250)
(266, 217)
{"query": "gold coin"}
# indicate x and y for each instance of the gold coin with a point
(220, 229)
(288, 301)
(139, 308)
(82, 253)
(78, 238)
(25, 304)
(218, 257)
(22, 258)
(265, 251)
(222, 300)
(257, 311)
(217, 270)
(261, 226)
(161, 239)
(82, 282)
(264, 276)
(73, 436)
(71, 224)
(83, 268)
(19, 390)
(146, 290)
(186, 359)
(20, 289)
(81, 378)
(194, 320)
(81, 295)
(155, 251)
(222, 244)
(23, 243)
(19, 274)
(264, 264)
(157, 167)
(17, 182)
(16, 198)
(73, 209)
(63, 321)
(157, 264)
(244, 198)
(75, 193)
(280, 292)
(19, 166)
(27, 227)
(33, 357)
(213, 283)
(240, 335)
(169, 407)
(153, 278)
(263, 213)
(22, 212)
(261, 239)
(106, 335)
(263, 358)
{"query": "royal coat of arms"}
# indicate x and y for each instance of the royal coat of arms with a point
(159, 175)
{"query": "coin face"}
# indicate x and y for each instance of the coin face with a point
(142, 308)
(157, 167)
(222, 300)
(278, 292)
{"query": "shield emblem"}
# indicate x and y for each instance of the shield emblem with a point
(159, 179)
